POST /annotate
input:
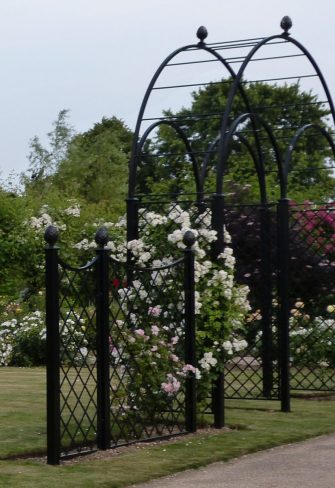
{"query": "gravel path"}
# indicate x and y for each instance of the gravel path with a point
(309, 464)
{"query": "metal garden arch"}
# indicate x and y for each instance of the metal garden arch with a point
(274, 378)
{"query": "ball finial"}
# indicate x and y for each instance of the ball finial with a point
(286, 24)
(101, 237)
(51, 235)
(202, 33)
(189, 238)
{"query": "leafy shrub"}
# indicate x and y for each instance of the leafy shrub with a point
(23, 340)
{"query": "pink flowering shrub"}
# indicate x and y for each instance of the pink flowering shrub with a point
(150, 373)
(316, 225)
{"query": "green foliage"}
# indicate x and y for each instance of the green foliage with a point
(96, 169)
(23, 337)
(88, 170)
(44, 161)
(29, 349)
(221, 304)
(12, 253)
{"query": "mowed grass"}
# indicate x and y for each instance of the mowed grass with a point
(254, 426)
(22, 411)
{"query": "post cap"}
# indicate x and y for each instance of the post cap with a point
(189, 238)
(101, 237)
(51, 235)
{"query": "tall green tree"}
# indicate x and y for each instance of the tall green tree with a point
(96, 167)
(91, 167)
(44, 161)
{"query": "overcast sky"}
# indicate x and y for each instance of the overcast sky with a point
(96, 57)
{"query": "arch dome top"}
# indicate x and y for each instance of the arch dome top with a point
(223, 54)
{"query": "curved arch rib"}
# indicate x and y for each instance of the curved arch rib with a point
(135, 153)
(258, 163)
(181, 133)
(225, 142)
(293, 144)
(234, 88)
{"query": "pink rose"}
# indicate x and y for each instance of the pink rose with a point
(154, 311)
(155, 330)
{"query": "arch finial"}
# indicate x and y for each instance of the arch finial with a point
(202, 33)
(286, 24)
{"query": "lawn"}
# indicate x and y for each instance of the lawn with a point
(254, 425)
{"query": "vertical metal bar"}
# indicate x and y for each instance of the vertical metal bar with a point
(219, 400)
(217, 224)
(190, 348)
(217, 248)
(132, 231)
(102, 324)
(283, 291)
(266, 302)
(52, 345)
(132, 218)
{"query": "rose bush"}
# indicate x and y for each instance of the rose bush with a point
(221, 305)
(23, 338)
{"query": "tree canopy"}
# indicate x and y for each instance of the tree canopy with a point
(91, 167)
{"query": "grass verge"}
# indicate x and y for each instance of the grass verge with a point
(253, 429)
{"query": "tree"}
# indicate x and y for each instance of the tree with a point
(91, 167)
(96, 168)
(44, 161)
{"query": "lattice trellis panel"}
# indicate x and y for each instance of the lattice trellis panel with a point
(312, 287)
(78, 380)
(146, 349)
(253, 372)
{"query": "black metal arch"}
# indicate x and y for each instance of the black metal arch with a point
(136, 148)
(181, 133)
(258, 163)
(234, 87)
(256, 119)
(293, 144)
(276, 384)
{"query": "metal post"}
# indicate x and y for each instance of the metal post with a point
(217, 248)
(217, 224)
(102, 330)
(283, 290)
(266, 302)
(53, 359)
(190, 348)
(132, 232)
(132, 218)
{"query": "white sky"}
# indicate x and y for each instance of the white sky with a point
(96, 57)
